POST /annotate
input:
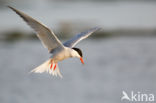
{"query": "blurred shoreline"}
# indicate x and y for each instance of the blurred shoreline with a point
(63, 33)
(115, 17)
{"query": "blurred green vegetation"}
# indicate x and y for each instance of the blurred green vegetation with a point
(16, 35)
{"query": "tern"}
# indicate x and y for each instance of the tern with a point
(59, 51)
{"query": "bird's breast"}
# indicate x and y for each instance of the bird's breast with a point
(61, 55)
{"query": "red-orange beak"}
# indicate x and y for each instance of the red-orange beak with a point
(81, 59)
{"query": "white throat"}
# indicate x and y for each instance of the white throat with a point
(74, 53)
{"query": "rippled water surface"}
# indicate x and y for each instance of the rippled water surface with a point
(111, 66)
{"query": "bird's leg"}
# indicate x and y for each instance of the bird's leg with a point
(51, 64)
(55, 66)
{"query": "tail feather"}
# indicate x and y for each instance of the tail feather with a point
(45, 67)
(55, 72)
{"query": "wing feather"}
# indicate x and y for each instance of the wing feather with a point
(76, 39)
(47, 37)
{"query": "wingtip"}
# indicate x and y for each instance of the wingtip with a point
(9, 6)
(97, 28)
(12, 8)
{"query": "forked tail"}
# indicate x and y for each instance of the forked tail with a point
(48, 67)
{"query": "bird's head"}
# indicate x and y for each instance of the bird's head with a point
(79, 52)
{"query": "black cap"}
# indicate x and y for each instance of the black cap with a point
(79, 51)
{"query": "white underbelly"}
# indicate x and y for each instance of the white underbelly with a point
(61, 56)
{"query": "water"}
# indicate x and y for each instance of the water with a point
(111, 66)
(108, 15)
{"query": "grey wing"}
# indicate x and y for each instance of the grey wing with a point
(47, 37)
(73, 41)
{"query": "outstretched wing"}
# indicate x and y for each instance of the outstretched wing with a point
(46, 36)
(73, 41)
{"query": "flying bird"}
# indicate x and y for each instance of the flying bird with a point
(59, 50)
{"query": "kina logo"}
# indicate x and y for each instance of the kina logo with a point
(137, 96)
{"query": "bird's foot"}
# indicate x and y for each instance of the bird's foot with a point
(51, 66)
(55, 66)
